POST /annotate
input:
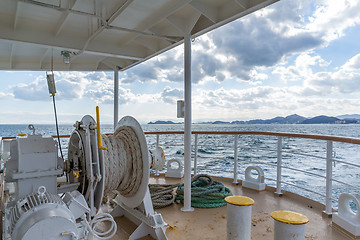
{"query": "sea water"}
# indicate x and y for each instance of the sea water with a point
(215, 154)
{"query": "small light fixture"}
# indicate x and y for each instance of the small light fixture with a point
(66, 56)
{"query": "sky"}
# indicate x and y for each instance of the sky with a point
(293, 57)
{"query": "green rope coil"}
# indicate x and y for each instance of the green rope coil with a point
(205, 192)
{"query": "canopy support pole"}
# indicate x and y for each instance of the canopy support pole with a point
(187, 124)
(116, 96)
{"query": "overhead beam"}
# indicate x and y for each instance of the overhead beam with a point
(118, 11)
(150, 34)
(16, 16)
(156, 18)
(46, 52)
(185, 25)
(11, 55)
(208, 11)
(63, 18)
(109, 64)
(99, 61)
(46, 39)
(104, 25)
(58, 66)
(152, 45)
(243, 3)
(58, 8)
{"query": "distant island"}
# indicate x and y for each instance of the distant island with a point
(292, 119)
(163, 122)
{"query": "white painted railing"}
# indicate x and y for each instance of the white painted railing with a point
(329, 158)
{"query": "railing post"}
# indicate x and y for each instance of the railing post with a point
(195, 154)
(235, 158)
(157, 140)
(278, 167)
(116, 97)
(187, 124)
(329, 151)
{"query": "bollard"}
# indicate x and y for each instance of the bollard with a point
(177, 172)
(254, 183)
(346, 219)
(289, 225)
(239, 217)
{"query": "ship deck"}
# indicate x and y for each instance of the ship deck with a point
(211, 223)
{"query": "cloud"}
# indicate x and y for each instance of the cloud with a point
(69, 86)
(5, 95)
(250, 98)
(106, 95)
(97, 87)
(34, 91)
(343, 80)
(302, 69)
(266, 102)
(171, 95)
(331, 18)
(167, 67)
(353, 64)
(263, 39)
(308, 72)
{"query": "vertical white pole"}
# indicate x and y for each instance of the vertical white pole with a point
(195, 154)
(279, 160)
(116, 97)
(235, 158)
(157, 140)
(187, 125)
(329, 150)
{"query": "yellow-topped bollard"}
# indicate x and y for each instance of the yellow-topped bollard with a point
(289, 225)
(239, 217)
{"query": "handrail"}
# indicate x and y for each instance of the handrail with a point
(280, 151)
(330, 158)
(294, 135)
(277, 134)
(53, 136)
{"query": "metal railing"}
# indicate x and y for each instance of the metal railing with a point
(279, 150)
(328, 158)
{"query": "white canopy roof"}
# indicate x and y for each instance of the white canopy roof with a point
(105, 34)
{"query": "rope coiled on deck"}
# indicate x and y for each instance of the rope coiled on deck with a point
(205, 192)
(122, 162)
(162, 195)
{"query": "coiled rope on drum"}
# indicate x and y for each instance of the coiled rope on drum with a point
(162, 195)
(122, 162)
(205, 192)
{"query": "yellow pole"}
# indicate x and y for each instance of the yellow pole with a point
(98, 129)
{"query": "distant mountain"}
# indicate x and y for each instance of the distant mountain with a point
(238, 122)
(220, 122)
(349, 116)
(162, 122)
(321, 119)
(255, 121)
(292, 119)
(295, 119)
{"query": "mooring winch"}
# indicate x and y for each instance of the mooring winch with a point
(99, 168)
